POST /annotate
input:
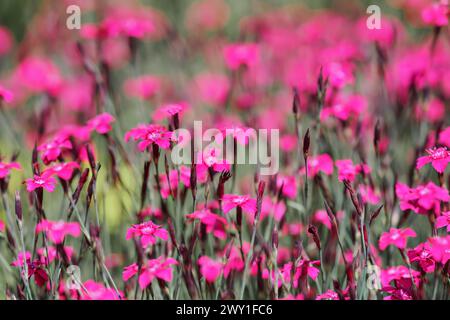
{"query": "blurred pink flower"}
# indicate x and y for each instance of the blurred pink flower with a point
(2, 226)
(92, 290)
(50, 253)
(368, 194)
(320, 163)
(169, 110)
(348, 171)
(305, 268)
(209, 268)
(147, 232)
(211, 158)
(438, 157)
(289, 185)
(436, 14)
(444, 137)
(6, 95)
(63, 170)
(143, 87)
(5, 168)
(396, 237)
(6, 41)
(57, 230)
(52, 150)
(168, 186)
(212, 88)
(241, 54)
(101, 123)
(39, 75)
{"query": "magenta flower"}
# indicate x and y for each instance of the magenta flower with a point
(331, 295)
(45, 181)
(5, 168)
(92, 290)
(211, 159)
(53, 253)
(435, 14)
(289, 185)
(35, 268)
(231, 201)
(348, 171)
(423, 256)
(271, 207)
(148, 232)
(63, 170)
(443, 220)
(241, 54)
(213, 88)
(6, 41)
(397, 281)
(6, 95)
(396, 237)
(438, 157)
(2, 226)
(444, 137)
(169, 110)
(305, 268)
(39, 75)
(421, 199)
(160, 268)
(53, 149)
(143, 87)
(210, 269)
(440, 249)
(56, 231)
(101, 123)
(368, 194)
(168, 186)
(148, 135)
(320, 163)
(214, 223)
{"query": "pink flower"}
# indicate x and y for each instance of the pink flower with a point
(322, 217)
(101, 123)
(52, 253)
(92, 290)
(435, 14)
(214, 223)
(348, 171)
(339, 74)
(440, 249)
(444, 137)
(209, 268)
(320, 163)
(63, 170)
(168, 186)
(169, 110)
(439, 158)
(345, 107)
(284, 274)
(5, 168)
(148, 232)
(130, 271)
(6, 95)
(421, 199)
(396, 237)
(53, 149)
(6, 41)
(443, 220)
(422, 255)
(143, 87)
(271, 207)
(213, 88)
(150, 212)
(368, 195)
(56, 231)
(45, 181)
(328, 295)
(39, 75)
(160, 268)
(241, 54)
(211, 158)
(2, 226)
(397, 281)
(35, 268)
(148, 135)
(306, 268)
(289, 185)
(231, 201)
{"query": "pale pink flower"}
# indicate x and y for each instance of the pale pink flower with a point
(209, 268)
(5, 168)
(396, 237)
(245, 202)
(101, 123)
(147, 232)
(438, 157)
(56, 231)
(213, 88)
